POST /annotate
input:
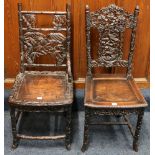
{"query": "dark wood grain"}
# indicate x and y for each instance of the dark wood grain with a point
(106, 89)
(45, 90)
(111, 94)
(142, 48)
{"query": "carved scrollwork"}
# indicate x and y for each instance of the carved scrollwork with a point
(37, 44)
(111, 22)
(16, 85)
(29, 20)
(120, 63)
(59, 21)
(112, 17)
(111, 111)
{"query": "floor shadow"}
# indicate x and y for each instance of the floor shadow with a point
(42, 124)
(75, 125)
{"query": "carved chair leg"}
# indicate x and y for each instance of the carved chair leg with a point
(68, 129)
(14, 131)
(137, 132)
(86, 131)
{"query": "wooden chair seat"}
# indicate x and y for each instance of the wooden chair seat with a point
(41, 88)
(113, 91)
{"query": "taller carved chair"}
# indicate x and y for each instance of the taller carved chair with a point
(44, 83)
(111, 94)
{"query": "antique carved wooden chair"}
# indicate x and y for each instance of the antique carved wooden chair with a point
(44, 83)
(111, 94)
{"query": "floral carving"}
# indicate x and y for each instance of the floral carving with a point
(59, 21)
(112, 17)
(29, 20)
(111, 22)
(37, 44)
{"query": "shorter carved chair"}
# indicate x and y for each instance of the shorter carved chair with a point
(43, 87)
(111, 94)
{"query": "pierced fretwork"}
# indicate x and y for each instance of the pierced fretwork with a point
(111, 23)
(37, 43)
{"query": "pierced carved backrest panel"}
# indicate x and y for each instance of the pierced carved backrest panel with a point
(43, 38)
(110, 22)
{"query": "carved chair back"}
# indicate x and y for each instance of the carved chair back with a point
(111, 23)
(38, 40)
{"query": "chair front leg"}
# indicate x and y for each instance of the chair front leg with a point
(68, 129)
(14, 131)
(137, 131)
(86, 131)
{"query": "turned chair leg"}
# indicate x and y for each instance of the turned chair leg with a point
(68, 129)
(86, 131)
(137, 131)
(14, 131)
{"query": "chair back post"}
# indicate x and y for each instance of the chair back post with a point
(22, 68)
(88, 46)
(69, 42)
(132, 43)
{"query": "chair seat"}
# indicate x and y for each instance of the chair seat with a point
(112, 91)
(41, 88)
